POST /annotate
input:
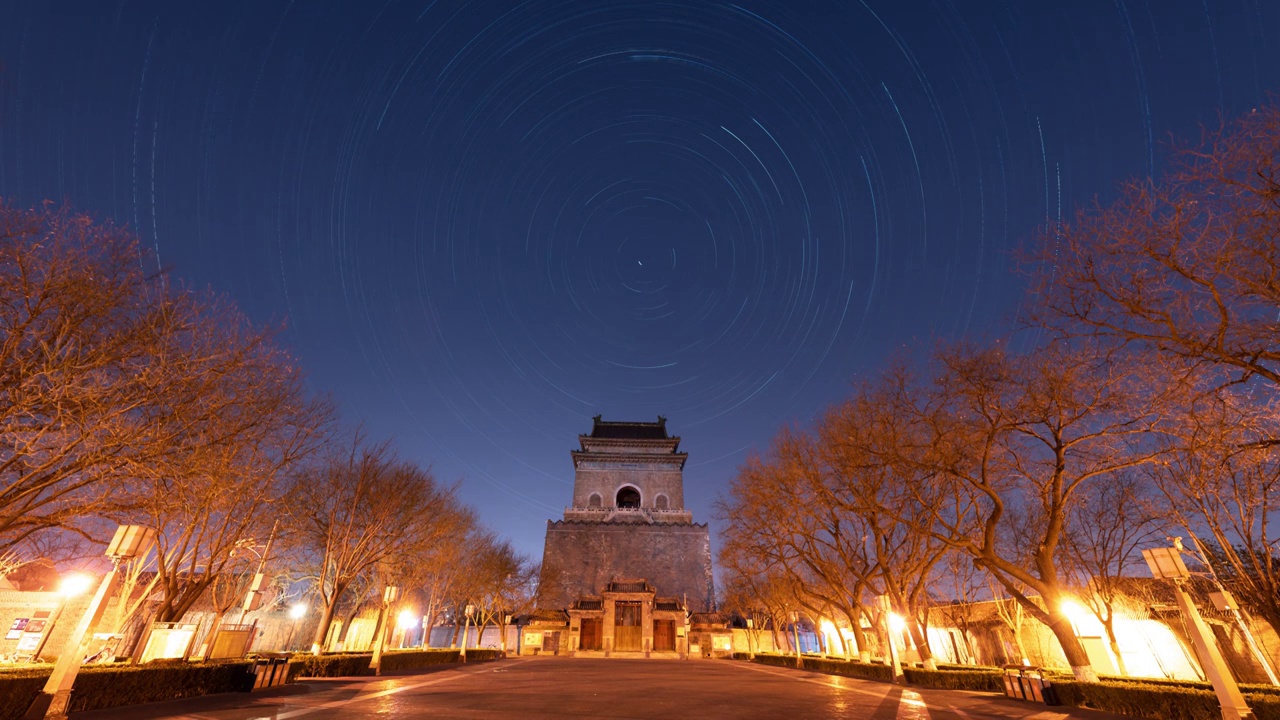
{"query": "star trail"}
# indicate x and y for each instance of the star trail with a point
(482, 223)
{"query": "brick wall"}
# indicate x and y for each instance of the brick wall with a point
(580, 557)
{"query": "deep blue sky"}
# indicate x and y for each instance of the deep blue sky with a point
(486, 222)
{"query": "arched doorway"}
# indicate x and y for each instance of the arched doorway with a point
(628, 497)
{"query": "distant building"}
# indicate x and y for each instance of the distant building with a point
(627, 562)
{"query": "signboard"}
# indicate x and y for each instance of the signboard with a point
(533, 638)
(35, 626)
(15, 630)
(29, 642)
(168, 640)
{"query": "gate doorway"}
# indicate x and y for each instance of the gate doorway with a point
(627, 631)
(551, 643)
(591, 633)
(664, 635)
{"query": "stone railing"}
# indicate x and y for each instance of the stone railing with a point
(649, 515)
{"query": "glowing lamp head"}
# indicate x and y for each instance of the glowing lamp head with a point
(407, 619)
(896, 622)
(297, 611)
(1075, 612)
(73, 585)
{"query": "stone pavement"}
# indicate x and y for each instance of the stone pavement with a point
(589, 688)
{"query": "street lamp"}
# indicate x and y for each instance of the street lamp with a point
(1166, 563)
(751, 651)
(405, 621)
(69, 587)
(795, 629)
(130, 541)
(296, 613)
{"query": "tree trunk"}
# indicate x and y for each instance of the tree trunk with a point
(1110, 625)
(322, 630)
(1060, 624)
(860, 636)
(921, 641)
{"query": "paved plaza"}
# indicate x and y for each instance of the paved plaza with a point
(585, 688)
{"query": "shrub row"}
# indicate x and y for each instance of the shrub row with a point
(108, 686)
(848, 668)
(1157, 699)
(356, 664)
(956, 679)
(1192, 684)
(1161, 701)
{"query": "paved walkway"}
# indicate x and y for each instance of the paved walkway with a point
(586, 688)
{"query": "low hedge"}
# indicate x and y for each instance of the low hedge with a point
(956, 679)
(109, 686)
(1160, 701)
(848, 668)
(1245, 688)
(18, 688)
(357, 664)
(332, 665)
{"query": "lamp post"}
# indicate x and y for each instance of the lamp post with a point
(795, 631)
(1166, 563)
(130, 541)
(887, 620)
(751, 650)
(466, 629)
(389, 595)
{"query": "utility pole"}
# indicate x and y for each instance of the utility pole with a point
(1167, 563)
(129, 542)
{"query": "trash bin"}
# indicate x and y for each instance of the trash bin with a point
(1027, 682)
(252, 674)
(1013, 682)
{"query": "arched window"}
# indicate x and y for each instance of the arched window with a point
(628, 497)
(594, 501)
(660, 503)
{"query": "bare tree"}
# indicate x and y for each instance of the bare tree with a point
(1186, 265)
(78, 326)
(1109, 526)
(1223, 485)
(855, 438)
(779, 513)
(499, 582)
(358, 509)
(1012, 440)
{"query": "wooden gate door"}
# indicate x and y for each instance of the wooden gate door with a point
(591, 633)
(627, 632)
(664, 635)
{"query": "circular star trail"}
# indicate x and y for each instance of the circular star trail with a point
(484, 222)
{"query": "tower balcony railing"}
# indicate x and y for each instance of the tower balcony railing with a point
(650, 515)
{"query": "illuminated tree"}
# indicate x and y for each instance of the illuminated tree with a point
(858, 442)
(79, 325)
(1187, 266)
(358, 509)
(778, 515)
(1005, 445)
(1106, 531)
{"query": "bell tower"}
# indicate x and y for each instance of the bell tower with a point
(627, 519)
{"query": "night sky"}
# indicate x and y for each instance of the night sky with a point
(484, 223)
